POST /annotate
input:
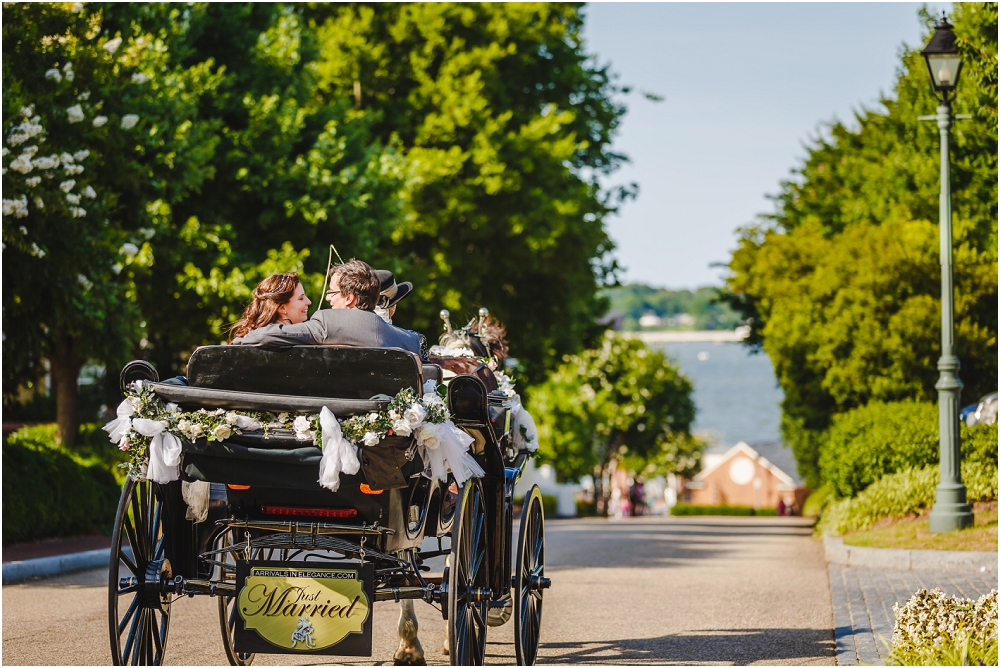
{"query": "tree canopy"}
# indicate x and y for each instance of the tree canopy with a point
(505, 125)
(842, 282)
(458, 145)
(621, 399)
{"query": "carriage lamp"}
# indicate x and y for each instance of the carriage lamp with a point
(951, 510)
(943, 62)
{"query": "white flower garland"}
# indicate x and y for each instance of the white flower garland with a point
(151, 431)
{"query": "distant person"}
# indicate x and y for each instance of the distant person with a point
(390, 294)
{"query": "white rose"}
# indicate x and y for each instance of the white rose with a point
(222, 432)
(394, 415)
(232, 418)
(371, 438)
(196, 430)
(124, 444)
(372, 418)
(301, 424)
(401, 428)
(173, 408)
(282, 417)
(428, 436)
(414, 415)
(306, 435)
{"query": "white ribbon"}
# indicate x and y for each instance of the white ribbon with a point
(119, 427)
(164, 450)
(196, 495)
(444, 447)
(339, 454)
(525, 432)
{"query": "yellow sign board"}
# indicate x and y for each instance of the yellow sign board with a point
(297, 608)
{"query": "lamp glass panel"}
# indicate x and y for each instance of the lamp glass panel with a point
(944, 69)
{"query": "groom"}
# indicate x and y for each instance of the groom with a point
(351, 320)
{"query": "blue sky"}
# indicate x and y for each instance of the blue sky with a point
(745, 85)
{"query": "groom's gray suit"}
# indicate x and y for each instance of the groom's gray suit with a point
(332, 327)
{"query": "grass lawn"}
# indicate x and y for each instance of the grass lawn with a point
(911, 533)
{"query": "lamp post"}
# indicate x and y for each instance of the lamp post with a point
(950, 509)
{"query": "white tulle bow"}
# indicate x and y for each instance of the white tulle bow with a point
(444, 446)
(119, 427)
(339, 454)
(525, 432)
(164, 450)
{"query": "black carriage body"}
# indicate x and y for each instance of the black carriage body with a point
(282, 472)
(385, 510)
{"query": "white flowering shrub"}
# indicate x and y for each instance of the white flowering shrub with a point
(931, 625)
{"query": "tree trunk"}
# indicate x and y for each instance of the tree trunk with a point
(65, 366)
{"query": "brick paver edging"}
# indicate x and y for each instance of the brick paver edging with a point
(914, 560)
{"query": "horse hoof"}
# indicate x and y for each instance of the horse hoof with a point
(409, 661)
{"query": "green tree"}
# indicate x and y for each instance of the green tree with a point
(94, 124)
(506, 126)
(634, 300)
(292, 172)
(842, 283)
(621, 399)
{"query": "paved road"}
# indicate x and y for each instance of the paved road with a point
(642, 591)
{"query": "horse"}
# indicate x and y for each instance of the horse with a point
(478, 349)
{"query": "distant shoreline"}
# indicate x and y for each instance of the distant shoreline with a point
(706, 336)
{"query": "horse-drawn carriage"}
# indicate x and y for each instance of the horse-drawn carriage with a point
(295, 567)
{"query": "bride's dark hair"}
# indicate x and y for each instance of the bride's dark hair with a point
(268, 296)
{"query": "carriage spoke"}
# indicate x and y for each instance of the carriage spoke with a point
(158, 552)
(157, 640)
(128, 562)
(128, 614)
(155, 523)
(133, 540)
(130, 644)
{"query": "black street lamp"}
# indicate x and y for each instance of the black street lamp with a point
(943, 61)
(951, 510)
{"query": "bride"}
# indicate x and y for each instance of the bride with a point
(279, 298)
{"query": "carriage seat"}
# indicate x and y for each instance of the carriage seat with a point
(348, 380)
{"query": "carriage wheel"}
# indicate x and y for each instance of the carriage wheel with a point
(138, 603)
(529, 579)
(468, 584)
(227, 611)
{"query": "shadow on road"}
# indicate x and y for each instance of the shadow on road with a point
(734, 646)
(661, 542)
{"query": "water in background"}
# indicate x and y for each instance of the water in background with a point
(736, 393)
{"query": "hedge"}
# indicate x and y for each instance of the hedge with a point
(903, 494)
(685, 509)
(867, 443)
(49, 491)
(550, 504)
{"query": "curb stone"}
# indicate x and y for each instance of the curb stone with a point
(917, 560)
(44, 567)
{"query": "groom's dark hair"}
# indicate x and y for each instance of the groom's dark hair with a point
(357, 278)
